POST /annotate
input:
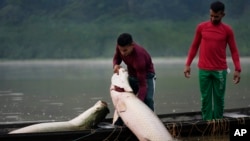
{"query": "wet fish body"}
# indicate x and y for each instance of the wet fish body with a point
(136, 115)
(86, 120)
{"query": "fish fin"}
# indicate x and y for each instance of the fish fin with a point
(115, 117)
(121, 107)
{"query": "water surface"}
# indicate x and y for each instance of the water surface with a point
(62, 89)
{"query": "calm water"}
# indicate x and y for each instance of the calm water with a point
(62, 89)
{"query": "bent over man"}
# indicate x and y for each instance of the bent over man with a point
(140, 68)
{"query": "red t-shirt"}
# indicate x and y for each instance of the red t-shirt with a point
(138, 63)
(212, 41)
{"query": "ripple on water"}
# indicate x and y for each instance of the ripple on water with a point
(11, 94)
(17, 98)
(56, 103)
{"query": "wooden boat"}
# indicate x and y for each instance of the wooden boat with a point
(178, 124)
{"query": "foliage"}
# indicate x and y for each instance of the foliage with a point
(85, 29)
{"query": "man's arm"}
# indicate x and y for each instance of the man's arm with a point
(116, 60)
(235, 55)
(194, 46)
(141, 76)
(234, 50)
(192, 51)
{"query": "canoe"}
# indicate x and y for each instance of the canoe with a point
(178, 124)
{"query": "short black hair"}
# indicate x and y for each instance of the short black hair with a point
(124, 39)
(217, 6)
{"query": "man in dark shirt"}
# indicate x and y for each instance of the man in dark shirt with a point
(140, 68)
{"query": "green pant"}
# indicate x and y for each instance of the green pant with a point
(212, 88)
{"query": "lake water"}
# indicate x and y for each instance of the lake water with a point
(62, 89)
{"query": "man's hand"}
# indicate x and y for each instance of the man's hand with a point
(236, 78)
(116, 69)
(187, 71)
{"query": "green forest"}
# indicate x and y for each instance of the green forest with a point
(78, 29)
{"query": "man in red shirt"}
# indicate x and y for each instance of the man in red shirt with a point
(140, 68)
(211, 38)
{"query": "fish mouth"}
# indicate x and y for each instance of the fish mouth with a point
(116, 88)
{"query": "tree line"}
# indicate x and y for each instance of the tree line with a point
(85, 29)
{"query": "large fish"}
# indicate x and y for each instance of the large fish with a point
(136, 115)
(86, 120)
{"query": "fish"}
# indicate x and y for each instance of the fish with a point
(136, 115)
(88, 119)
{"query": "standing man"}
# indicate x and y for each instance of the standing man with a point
(140, 68)
(211, 38)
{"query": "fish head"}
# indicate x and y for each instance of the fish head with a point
(100, 112)
(101, 106)
(120, 80)
(92, 116)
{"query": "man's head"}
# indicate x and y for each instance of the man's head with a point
(217, 12)
(125, 44)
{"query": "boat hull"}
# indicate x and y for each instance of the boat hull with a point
(178, 124)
